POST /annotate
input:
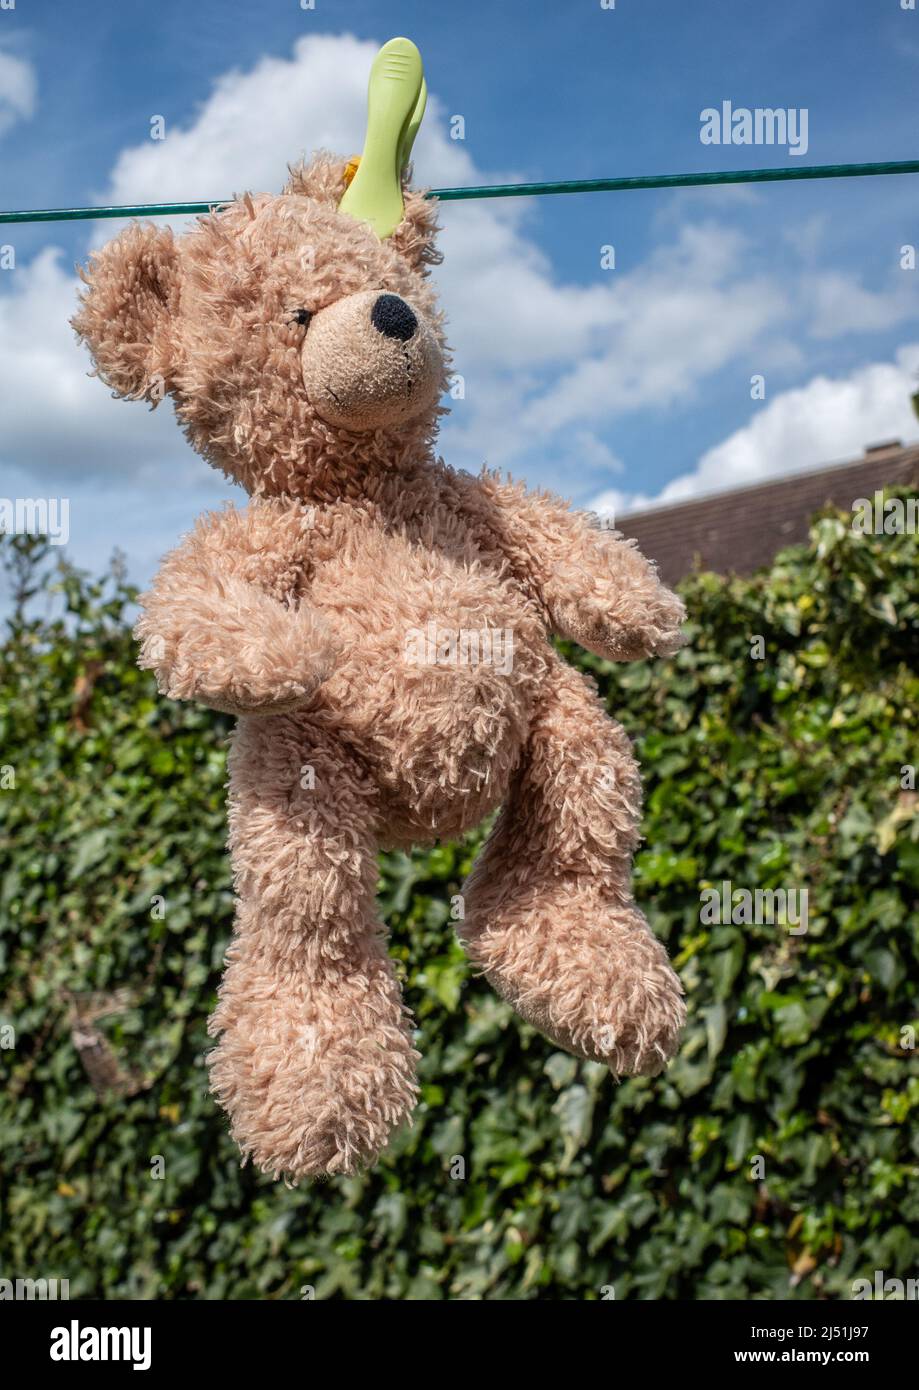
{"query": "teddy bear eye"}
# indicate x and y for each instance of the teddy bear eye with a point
(302, 317)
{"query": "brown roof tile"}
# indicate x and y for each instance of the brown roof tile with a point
(740, 531)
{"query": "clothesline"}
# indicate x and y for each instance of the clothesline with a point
(509, 190)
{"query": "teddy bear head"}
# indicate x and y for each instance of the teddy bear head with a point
(292, 339)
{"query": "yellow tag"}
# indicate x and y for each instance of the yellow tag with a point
(351, 169)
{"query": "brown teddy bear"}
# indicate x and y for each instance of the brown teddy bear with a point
(380, 624)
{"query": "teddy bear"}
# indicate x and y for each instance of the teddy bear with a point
(306, 358)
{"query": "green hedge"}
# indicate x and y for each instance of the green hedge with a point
(778, 1157)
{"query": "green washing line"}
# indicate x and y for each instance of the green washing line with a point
(510, 190)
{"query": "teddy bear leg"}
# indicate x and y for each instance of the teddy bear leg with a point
(314, 1063)
(550, 916)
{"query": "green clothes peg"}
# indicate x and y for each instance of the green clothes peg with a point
(396, 98)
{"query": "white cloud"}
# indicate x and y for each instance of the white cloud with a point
(840, 304)
(18, 91)
(53, 415)
(634, 340)
(255, 123)
(506, 308)
(673, 321)
(129, 478)
(828, 420)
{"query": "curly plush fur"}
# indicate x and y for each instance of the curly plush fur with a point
(298, 614)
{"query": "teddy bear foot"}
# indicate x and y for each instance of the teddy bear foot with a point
(591, 976)
(315, 1081)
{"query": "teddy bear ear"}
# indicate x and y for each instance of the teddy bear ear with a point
(126, 314)
(414, 238)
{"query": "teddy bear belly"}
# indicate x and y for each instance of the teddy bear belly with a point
(437, 707)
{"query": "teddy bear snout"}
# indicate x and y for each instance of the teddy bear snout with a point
(371, 360)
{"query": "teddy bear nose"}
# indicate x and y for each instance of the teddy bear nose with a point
(392, 317)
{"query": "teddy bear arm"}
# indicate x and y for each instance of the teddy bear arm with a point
(216, 636)
(606, 596)
(593, 586)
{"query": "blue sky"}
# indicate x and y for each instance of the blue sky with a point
(614, 387)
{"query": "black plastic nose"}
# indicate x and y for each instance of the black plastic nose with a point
(392, 317)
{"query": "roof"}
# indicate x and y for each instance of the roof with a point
(739, 531)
